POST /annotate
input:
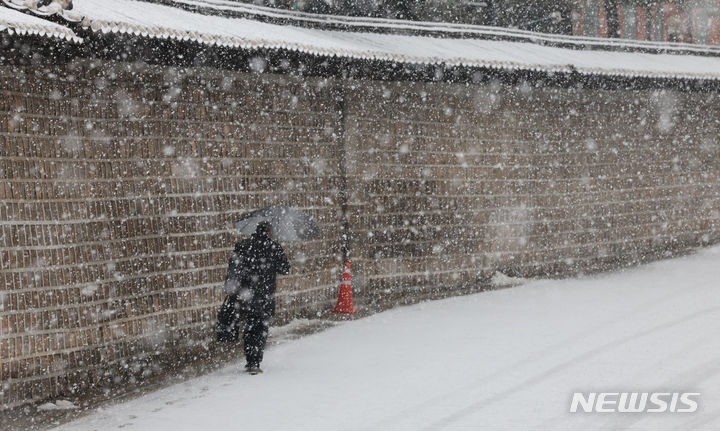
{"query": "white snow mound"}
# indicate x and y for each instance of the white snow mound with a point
(507, 359)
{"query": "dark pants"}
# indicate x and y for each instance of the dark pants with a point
(255, 332)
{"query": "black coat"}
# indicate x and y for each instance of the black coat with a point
(263, 258)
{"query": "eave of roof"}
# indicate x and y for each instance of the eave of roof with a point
(231, 24)
(244, 10)
(141, 19)
(17, 22)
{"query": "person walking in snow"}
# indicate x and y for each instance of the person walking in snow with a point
(261, 259)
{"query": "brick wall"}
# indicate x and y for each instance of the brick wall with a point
(120, 185)
(451, 183)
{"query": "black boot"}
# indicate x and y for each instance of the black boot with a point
(253, 369)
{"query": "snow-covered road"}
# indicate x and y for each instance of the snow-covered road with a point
(502, 360)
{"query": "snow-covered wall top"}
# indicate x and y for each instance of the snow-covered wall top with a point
(236, 8)
(223, 23)
(13, 21)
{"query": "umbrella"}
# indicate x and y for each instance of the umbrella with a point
(288, 224)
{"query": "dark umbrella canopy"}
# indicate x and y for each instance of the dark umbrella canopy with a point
(288, 224)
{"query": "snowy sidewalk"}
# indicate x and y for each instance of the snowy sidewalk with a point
(502, 360)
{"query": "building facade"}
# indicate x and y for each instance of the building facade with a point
(686, 22)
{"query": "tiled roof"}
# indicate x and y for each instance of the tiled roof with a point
(14, 21)
(233, 24)
(60, 8)
(237, 8)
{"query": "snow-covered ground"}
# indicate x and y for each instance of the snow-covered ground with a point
(502, 360)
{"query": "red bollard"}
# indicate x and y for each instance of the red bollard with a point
(345, 299)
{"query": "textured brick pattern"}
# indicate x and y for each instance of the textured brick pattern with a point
(120, 185)
(119, 191)
(450, 183)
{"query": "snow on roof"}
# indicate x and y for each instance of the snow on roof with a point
(167, 22)
(231, 24)
(143, 19)
(450, 29)
(14, 21)
(54, 8)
